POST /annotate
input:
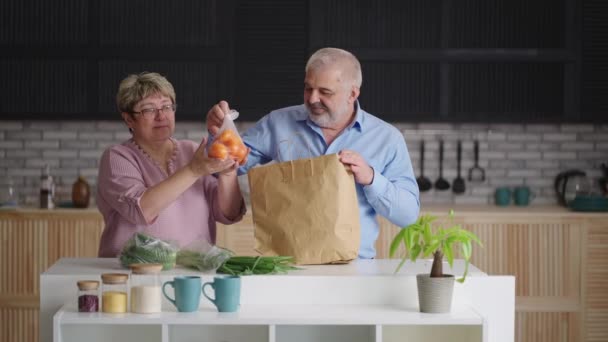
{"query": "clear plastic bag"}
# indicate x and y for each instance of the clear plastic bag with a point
(228, 142)
(147, 249)
(203, 256)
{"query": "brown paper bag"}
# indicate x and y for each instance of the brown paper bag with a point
(306, 208)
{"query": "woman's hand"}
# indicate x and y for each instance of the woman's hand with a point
(202, 165)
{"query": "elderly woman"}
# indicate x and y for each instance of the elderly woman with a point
(156, 184)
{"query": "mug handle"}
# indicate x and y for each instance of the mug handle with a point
(165, 293)
(205, 294)
(532, 195)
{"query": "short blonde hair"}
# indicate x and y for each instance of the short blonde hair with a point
(346, 61)
(135, 88)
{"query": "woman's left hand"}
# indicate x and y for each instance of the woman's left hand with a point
(202, 165)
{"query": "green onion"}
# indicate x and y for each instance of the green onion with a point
(246, 265)
(224, 262)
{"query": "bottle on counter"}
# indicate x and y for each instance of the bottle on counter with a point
(81, 193)
(88, 296)
(145, 288)
(114, 292)
(47, 189)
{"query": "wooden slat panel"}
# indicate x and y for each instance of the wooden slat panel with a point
(238, 237)
(18, 325)
(31, 241)
(544, 254)
(596, 289)
(537, 252)
(545, 327)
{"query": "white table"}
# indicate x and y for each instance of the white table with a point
(361, 302)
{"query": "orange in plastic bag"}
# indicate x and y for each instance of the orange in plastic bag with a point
(228, 142)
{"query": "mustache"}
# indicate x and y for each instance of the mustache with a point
(317, 105)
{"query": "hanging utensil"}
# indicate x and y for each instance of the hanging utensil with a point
(458, 186)
(424, 184)
(476, 173)
(441, 183)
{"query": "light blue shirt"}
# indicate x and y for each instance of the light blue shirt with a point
(287, 134)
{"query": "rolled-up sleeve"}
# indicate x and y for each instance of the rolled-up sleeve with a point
(121, 185)
(212, 194)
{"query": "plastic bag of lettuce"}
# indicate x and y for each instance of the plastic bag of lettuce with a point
(144, 248)
(203, 256)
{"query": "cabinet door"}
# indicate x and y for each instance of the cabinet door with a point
(323, 333)
(431, 333)
(544, 253)
(29, 243)
(219, 333)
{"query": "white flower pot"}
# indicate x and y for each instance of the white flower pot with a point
(435, 294)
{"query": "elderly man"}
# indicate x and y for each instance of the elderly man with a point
(331, 120)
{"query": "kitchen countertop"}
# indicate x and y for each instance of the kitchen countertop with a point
(435, 209)
(357, 267)
(493, 210)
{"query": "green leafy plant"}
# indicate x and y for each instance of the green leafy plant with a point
(422, 238)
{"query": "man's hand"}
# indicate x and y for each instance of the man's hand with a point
(215, 116)
(363, 173)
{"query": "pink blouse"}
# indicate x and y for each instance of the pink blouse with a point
(126, 171)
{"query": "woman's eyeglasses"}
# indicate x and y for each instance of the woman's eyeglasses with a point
(152, 112)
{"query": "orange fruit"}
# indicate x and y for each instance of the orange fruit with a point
(218, 150)
(239, 153)
(228, 136)
(232, 144)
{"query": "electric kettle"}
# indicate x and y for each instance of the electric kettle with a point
(570, 183)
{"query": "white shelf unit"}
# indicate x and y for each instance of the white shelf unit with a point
(363, 301)
(272, 323)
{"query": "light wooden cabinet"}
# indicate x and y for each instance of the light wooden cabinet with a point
(30, 242)
(559, 258)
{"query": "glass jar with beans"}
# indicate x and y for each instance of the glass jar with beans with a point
(88, 296)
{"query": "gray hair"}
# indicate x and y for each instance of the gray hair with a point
(135, 88)
(346, 61)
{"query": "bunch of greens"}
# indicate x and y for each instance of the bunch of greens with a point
(245, 265)
(143, 248)
(204, 262)
(225, 262)
(205, 257)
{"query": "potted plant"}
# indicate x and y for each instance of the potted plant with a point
(422, 238)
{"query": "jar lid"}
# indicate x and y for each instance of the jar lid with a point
(88, 284)
(114, 278)
(146, 268)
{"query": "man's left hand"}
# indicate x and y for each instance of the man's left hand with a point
(363, 173)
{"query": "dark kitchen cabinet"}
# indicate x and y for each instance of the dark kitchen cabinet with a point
(423, 60)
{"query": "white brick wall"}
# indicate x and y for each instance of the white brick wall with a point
(511, 154)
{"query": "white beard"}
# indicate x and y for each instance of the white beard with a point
(325, 120)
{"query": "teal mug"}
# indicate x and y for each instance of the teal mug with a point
(502, 196)
(522, 195)
(227, 293)
(187, 293)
